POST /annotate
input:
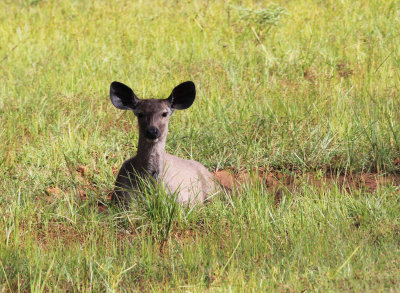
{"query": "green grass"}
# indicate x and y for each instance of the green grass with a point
(304, 86)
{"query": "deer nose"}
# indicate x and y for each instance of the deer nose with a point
(152, 132)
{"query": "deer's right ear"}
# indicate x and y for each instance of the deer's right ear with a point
(122, 96)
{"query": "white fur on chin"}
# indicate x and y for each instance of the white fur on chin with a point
(151, 140)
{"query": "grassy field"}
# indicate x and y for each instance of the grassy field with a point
(295, 87)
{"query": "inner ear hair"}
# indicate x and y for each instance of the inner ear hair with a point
(122, 96)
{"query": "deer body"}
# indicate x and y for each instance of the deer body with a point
(189, 179)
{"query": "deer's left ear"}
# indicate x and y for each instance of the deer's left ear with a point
(182, 96)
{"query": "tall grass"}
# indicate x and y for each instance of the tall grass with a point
(293, 86)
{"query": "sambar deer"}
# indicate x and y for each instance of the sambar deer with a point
(188, 179)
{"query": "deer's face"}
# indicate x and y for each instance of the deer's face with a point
(153, 115)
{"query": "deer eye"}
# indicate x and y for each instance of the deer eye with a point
(140, 115)
(165, 114)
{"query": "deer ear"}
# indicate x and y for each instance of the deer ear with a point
(122, 96)
(182, 96)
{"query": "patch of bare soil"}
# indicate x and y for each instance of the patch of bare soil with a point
(344, 69)
(275, 181)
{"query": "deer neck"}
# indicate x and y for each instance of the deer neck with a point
(151, 155)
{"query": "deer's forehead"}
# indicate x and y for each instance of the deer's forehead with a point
(152, 106)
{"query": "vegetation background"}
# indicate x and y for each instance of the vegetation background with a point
(295, 87)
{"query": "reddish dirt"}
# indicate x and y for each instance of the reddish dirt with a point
(277, 183)
(344, 69)
(53, 191)
(310, 74)
(273, 180)
(82, 170)
(115, 170)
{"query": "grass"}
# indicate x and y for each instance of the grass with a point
(295, 86)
